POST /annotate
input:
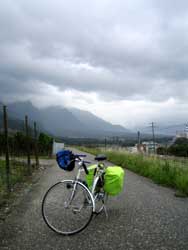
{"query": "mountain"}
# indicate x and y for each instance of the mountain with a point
(95, 123)
(13, 123)
(19, 110)
(60, 121)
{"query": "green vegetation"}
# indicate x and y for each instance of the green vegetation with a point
(2, 178)
(121, 141)
(18, 144)
(162, 171)
(18, 175)
(179, 148)
(45, 144)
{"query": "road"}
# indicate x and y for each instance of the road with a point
(144, 216)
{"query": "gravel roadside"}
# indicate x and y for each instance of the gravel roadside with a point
(144, 216)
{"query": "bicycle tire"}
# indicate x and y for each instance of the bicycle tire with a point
(67, 207)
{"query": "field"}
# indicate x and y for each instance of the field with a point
(162, 171)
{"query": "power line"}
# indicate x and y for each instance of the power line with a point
(138, 133)
(172, 126)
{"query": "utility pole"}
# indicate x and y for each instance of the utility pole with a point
(153, 135)
(105, 143)
(6, 148)
(113, 141)
(138, 147)
(36, 145)
(186, 130)
(117, 141)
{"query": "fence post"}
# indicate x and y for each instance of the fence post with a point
(105, 143)
(28, 145)
(36, 145)
(6, 148)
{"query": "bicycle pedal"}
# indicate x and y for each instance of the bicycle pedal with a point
(76, 210)
(101, 195)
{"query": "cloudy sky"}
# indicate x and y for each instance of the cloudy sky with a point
(125, 61)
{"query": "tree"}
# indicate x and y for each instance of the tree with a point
(179, 148)
(45, 144)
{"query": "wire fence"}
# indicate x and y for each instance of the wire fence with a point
(20, 147)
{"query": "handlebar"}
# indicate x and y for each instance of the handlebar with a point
(83, 162)
(78, 156)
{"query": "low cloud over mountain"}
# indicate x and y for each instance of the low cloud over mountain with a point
(64, 122)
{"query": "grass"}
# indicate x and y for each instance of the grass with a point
(162, 171)
(18, 174)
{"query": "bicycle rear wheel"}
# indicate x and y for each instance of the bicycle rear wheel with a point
(67, 207)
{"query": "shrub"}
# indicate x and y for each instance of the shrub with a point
(161, 171)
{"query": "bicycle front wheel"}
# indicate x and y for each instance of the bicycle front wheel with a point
(67, 207)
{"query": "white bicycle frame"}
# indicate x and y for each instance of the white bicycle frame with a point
(77, 180)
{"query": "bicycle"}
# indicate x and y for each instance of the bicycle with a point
(69, 205)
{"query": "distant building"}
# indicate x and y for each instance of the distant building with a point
(57, 146)
(180, 134)
(147, 147)
(183, 134)
(132, 149)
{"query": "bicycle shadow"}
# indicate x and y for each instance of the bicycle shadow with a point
(112, 216)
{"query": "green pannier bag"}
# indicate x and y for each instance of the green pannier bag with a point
(113, 180)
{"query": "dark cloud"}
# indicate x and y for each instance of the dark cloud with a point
(119, 49)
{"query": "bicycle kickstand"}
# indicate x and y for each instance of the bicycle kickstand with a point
(106, 213)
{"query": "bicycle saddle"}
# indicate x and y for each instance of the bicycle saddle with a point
(100, 157)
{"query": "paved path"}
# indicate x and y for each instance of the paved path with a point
(145, 216)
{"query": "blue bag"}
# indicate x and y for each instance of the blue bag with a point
(65, 160)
